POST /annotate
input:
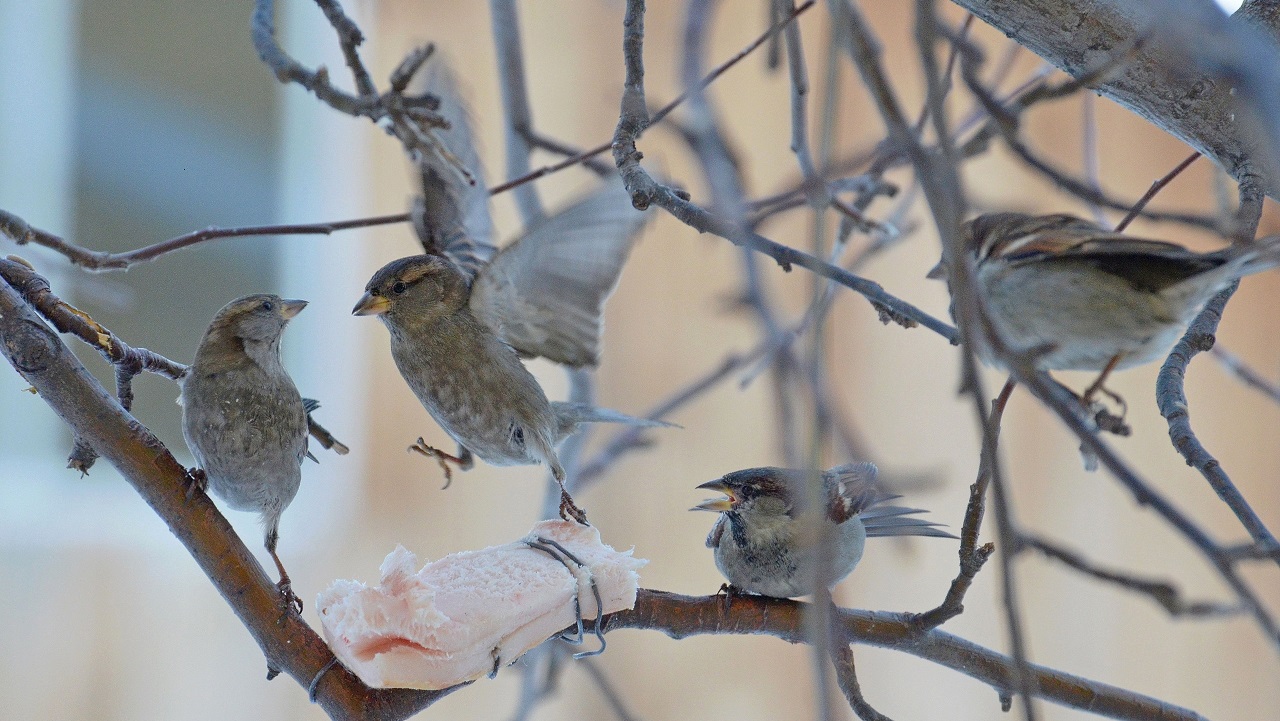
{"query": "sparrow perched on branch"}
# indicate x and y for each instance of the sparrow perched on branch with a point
(760, 540)
(243, 418)
(1094, 299)
(462, 315)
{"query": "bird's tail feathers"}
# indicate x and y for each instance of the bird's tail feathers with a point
(586, 413)
(1263, 254)
(894, 521)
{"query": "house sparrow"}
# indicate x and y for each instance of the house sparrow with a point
(760, 541)
(461, 357)
(462, 315)
(242, 417)
(1097, 300)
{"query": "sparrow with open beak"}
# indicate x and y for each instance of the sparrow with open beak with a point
(243, 418)
(760, 540)
(1094, 299)
(461, 316)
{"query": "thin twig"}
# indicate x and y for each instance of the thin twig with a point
(505, 21)
(1171, 397)
(632, 437)
(1155, 188)
(1162, 592)
(1004, 123)
(847, 679)
(940, 177)
(22, 233)
(657, 115)
(607, 689)
(1089, 141)
(972, 556)
(1250, 377)
(127, 360)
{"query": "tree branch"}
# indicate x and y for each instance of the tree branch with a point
(288, 643)
(1217, 91)
(681, 616)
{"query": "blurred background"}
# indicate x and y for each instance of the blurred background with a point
(129, 121)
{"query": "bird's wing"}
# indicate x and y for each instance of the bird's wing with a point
(717, 531)
(452, 216)
(544, 293)
(852, 489)
(1147, 264)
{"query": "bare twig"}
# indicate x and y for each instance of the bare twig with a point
(607, 689)
(939, 176)
(127, 360)
(515, 100)
(1162, 592)
(1172, 399)
(658, 115)
(1247, 375)
(1066, 406)
(1155, 188)
(972, 556)
(1005, 121)
(22, 233)
(847, 679)
(632, 437)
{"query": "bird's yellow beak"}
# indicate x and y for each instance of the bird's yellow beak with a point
(371, 304)
(937, 272)
(290, 308)
(717, 505)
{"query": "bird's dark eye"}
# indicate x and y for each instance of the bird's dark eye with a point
(399, 287)
(267, 306)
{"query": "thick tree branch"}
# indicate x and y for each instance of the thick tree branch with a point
(684, 616)
(1217, 91)
(289, 644)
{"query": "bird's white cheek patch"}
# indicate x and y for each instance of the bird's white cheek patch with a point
(464, 615)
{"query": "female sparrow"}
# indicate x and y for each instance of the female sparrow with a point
(462, 315)
(761, 544)
(1097, 300)
(242, 417)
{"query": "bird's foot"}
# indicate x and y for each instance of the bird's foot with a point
(1102, 416)
(1108, 422)
(727, 593)
(197, 480)
(570, 511)
(288, 598)
(464, 460)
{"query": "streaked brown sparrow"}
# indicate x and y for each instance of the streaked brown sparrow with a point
(461, 316)
(243, 418)
(1094, 299)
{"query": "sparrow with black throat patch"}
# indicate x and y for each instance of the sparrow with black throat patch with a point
(760, 540)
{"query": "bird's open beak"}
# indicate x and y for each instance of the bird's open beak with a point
(371, 304)
(937, 272)
(717, 505)
(290, 308)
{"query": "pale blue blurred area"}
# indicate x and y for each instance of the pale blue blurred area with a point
(125, 122)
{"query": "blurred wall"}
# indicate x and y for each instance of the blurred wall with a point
(105, 617)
